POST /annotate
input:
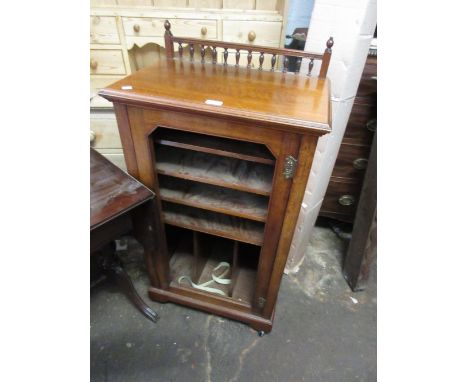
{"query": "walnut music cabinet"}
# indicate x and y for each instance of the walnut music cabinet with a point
(228, 151)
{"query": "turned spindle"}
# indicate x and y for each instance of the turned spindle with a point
(273, 62)
(214, 55)
(192, 51)
(225, 54)
(298, 64)
(237, 57)
(181, 52)
(285, 64)
(168, 40)
(311, 65)
(326, 59)
(202, 52)
(262, 57)
(249, 59)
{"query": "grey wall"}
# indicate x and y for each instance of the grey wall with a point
(352, 24)
(299, 13)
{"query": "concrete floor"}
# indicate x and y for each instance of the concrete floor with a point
(319, 333)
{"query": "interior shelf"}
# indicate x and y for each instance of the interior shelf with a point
(197, 257)
(212, 169)
(213, 198)
(213, 223)
(214, 145)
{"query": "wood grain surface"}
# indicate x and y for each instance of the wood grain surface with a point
(217, 199)
(214, 145)
(113, 192)
(212, 169)
(183, 262)
(213, 223)
(277, 98)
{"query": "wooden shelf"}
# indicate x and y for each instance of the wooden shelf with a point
(213, 223)
(215, 145)
(183, 263)
(217, 199)
(211, 169)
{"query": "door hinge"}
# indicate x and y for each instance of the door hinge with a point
(261, 302)
(290, 164)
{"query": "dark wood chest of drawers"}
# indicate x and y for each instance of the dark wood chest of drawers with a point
(344, 189)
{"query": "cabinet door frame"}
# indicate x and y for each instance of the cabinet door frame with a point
(143, 123)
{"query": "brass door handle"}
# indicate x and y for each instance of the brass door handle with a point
(371, 125)
(346, 200)
(360, 163)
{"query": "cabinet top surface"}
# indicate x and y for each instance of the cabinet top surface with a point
(284, 99)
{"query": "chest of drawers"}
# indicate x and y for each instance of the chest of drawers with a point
(342, 196)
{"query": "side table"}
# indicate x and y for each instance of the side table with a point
(119, 204)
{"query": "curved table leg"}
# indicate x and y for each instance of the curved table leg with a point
(112, 265)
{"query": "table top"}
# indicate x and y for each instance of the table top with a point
(113, 192)
(285, 99)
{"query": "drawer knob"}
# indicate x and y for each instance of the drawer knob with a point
(346, 200)
(136, 28)
(251, 36)
(371, 125)
(360, 163)
(93, 64)
(204, 31)
(92, 136)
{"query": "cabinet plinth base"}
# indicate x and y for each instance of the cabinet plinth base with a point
(255, 322)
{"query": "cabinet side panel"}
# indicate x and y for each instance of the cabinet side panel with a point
(306, 153)
(145, 158)
(125, 132)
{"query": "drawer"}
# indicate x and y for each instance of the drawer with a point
(151, 27)
(99, 82)
(205, 4)
(103, 30)
(239, 4)
(103, 126)
(133, 3)
(266, 5)
(361, 124)
(115, 156)
(341, 198)
(267, 33)
(367, 90)
(107, 61)
(351, 161)
(169, 3)
(368, 84)
(370, 69)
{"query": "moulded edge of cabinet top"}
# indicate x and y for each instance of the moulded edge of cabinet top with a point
(292, 102)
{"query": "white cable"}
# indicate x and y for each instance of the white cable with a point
(217, 279)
